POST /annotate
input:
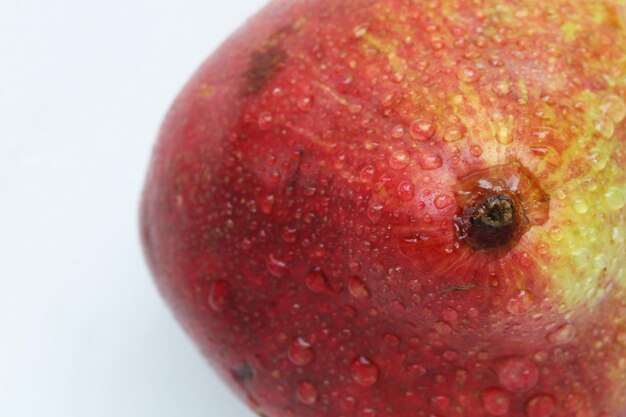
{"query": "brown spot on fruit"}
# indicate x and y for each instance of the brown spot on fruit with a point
(242, 373)
(264, 66)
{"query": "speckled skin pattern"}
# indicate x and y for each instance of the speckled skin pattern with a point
(309, 208)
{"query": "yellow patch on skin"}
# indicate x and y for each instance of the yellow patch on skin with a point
(206, 91)
(569, 30)
(587, 253)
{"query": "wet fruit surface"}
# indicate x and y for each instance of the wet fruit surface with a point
(402, 208)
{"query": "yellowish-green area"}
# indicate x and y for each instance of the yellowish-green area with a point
(586, 230)
(585, 233)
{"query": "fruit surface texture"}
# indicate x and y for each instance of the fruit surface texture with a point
(403, 208)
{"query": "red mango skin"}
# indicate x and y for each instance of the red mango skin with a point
(302, 214)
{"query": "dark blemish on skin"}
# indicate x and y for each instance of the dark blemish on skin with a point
(454, 288)
(242, 373)
(264, 66)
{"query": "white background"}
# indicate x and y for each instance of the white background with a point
(83, 88)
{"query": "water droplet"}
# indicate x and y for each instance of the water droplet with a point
(469, 75)
(476, 150)
(364, 371)
(495, 401)
(301, 352)
(503, 135)
(422, 129)
(348, 404)
(605, 126)
(598, 159)
(355, 108)
(375, 212)
(360, 30)
(307, 393)
(397, 132)
(520, 303)
(367, 174)
(430, 161)
(454, 133)
(449, 314)
(316, 281)
(399, 160)
(289, 234)
(304, 104)
(614, 108)
(581, 206)
(442, 328)
(502, 88)
(563, 335)
(358, 289)
(416, 369)
(556, 233)
(443, 200)
(540, 406)
(218, 293)
(518, 374)
(391, 339)
(265, 121)
(615, 198)
(440, 403)
(267, 204)
(277, 267)
(406, 190)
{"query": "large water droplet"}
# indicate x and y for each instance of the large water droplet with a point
(277, 267)
(605, 126)
(267, 203)
(304, 104)
(406, 190)
(563, 335)
(495, 401)
(422, 129)
(614, 108)
(442, 328)
(580, 206)
(440, 403)
(454, 133)
(289, 234)
(615, 198)
(502, 88)
(391, 339)
(316, 281)
(503, 135)
(307, 393)
(360, 30)
(367, 174)
(518, 374)
(469, 75)
(449, 314)
(265, 121)
(520, 303)
(218, 293)
(443, 200)
(540, 406)
(358, 289)
(430, 161)
(399, 160)
(301, 352)
(476, 150)
(375, 212)
(364, 371)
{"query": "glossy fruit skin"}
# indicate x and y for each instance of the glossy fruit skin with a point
(304, 209)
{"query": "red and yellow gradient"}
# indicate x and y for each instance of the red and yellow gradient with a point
(301, 215)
